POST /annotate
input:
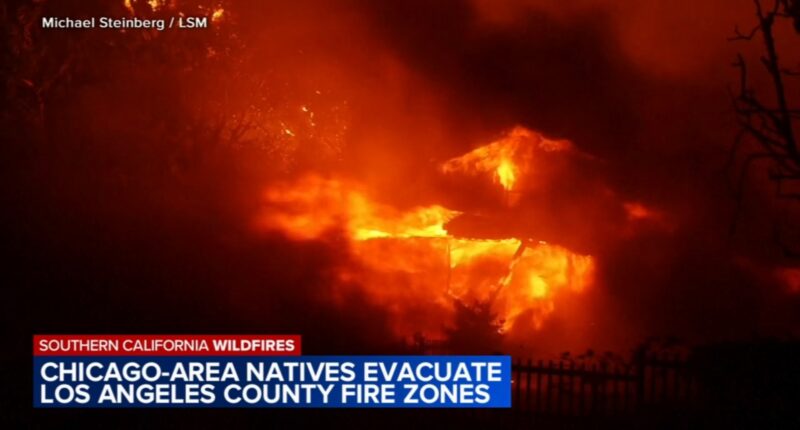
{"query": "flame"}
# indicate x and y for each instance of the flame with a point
(155, 5)
(507, 159)
(217, 14)
(506, 173)
(407, 262)
(315, 206)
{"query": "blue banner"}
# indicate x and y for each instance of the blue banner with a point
(270, 382)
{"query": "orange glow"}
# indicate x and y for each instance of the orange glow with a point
(640, 215)
(637, 211)
(407, 262)
(217, 14)
(315, 206)
(506, 159)
(155, 5)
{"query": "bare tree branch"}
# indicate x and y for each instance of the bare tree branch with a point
(769, 126)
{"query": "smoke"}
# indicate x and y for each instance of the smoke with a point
(642, 88)
(140, 223)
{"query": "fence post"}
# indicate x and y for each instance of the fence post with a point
(517, 363)
(665, 369)
(640, 370)
(593, 387)
(539, 386)
(602, 381)
(571, 398)
(616, 401)
(528, 371)
(676, 377)
(655, 367)
(582, 391)
(629, 375)
(559, 394)
(550, 369)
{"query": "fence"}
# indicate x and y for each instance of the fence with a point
(570, 388)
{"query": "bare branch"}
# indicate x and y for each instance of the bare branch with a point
(769, 126)
(738, 35)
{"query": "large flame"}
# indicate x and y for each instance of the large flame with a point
(505, 159)
(314, 206)
(407, 262)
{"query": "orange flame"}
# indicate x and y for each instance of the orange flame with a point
(217, 14)
(506, 159)
(315, 206)
(406, 261)
(155, 5)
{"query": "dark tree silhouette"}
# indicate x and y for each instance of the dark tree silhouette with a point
(768, 123)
